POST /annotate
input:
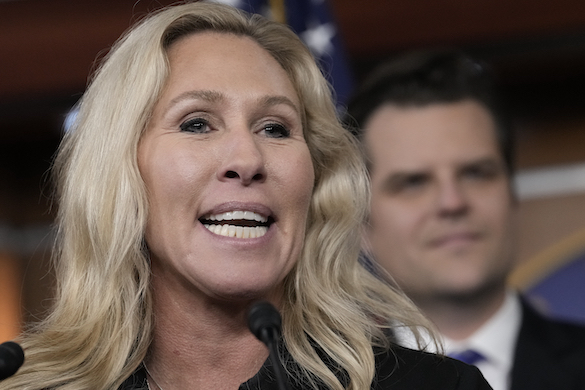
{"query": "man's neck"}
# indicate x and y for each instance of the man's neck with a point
(458, 317)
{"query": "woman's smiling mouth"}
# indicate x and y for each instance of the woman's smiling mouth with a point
(239, 224)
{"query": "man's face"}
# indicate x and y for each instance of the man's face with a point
(442, 217)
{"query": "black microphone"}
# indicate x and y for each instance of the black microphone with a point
(265, 323)
(11, 358)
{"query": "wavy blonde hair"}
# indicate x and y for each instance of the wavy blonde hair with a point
(100, 327)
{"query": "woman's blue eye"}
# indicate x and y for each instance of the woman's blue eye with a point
(276, 131)
(195, 125)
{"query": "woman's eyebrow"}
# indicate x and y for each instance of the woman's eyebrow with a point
(207, 95)
(215, 96)
(275, 100)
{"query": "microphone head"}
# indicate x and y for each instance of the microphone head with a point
(11, 358)
(264, 317)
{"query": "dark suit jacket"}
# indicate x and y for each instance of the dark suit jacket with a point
(400, 369)
(549, 355)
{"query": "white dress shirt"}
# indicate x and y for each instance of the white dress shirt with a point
(496, 341)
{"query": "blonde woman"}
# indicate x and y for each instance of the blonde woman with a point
(206, 171)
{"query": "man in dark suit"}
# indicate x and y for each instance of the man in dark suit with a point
(443, 217)
(549, 354)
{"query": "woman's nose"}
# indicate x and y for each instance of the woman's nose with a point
(243, 159)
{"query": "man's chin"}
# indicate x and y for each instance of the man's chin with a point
(472, 293)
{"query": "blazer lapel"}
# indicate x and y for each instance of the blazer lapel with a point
(536, 360)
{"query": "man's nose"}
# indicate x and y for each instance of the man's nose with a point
(452, 198)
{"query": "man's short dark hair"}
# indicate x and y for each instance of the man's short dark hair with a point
(428, 77)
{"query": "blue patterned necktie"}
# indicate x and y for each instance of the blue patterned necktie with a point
(468, 356)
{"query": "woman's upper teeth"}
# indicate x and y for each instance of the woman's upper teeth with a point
(237, 215)
(247, 224)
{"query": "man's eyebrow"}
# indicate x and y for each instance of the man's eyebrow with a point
(398, 177)
(484, 162)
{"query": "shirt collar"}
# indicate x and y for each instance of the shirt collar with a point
(496, 339)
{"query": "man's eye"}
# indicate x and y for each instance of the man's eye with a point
(406, 184)
(480, 173)
(274, 130)
(411, 182)
(195, 125)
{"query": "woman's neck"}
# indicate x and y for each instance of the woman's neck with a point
(201, 344)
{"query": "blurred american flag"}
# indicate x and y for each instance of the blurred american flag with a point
(313, 22)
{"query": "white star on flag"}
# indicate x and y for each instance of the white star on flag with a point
(318, 38)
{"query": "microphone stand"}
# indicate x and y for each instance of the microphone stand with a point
(265, 323)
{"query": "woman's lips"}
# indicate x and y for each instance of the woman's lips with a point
(236, 223)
